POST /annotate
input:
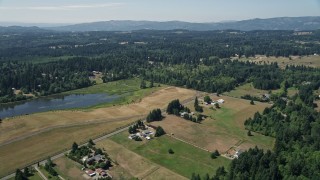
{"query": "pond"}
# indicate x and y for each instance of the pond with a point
(54, 103)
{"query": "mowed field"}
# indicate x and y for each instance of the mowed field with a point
(134, 164)
(311, 61)
(23, 125)
(222, 130)
(186, 159)
(50, 132)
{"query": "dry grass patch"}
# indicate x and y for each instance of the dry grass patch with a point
(68, 168)
(21, 153)
(21, 126)
(135, 164)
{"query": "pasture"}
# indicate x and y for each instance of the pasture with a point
(222, 129)
(49, 132)
(134, 164)
(185, 160)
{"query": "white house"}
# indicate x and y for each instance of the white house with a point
(220, 101)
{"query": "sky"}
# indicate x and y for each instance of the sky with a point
(77, 11)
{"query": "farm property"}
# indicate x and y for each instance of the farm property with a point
(57, 130)
(185, 160)
(222, 130)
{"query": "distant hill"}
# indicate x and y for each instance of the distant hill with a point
(282, 23)
(20, 29)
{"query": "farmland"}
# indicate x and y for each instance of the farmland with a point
(134, 163)
(223, 129)
(183, 160)
(57, 130)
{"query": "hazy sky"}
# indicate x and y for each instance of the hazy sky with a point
(75, 11)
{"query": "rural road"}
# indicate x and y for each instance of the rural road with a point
(78, 124)
(40, 173)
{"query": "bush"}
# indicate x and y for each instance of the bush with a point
(170, 151)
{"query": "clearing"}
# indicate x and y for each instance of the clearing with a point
(248, 89)
(311, 61)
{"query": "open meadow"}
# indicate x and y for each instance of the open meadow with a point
(49, 132)
(248, 89)
(186, 159)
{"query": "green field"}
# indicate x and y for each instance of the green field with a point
(248, 89)
(244, 90)
(35, 176)
(44, 172)
(129, 91)
(225, 122)
(185, 160)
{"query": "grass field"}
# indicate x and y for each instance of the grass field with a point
(51, 140)
(19, 154)
(186, 159)
(311, 61)
(35, 176)
(68, 169)
(244, 90)
(23, 125)
(250, 90)
(134, 164)
(46, 173)
(222, 130)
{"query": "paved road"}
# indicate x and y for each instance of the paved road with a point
(77, 124)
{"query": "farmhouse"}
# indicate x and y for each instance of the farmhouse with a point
(237, 154)
(220, 101)
(96, 158)
(183, 113)
(90, 173)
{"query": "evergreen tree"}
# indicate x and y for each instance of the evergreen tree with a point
(74, 147)
(159, 131)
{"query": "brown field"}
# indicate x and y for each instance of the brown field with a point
(222, 130)
(21, 153)
(311, 61)
(68, 169)
(135, 164)
(23, 125)
(54, 131)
